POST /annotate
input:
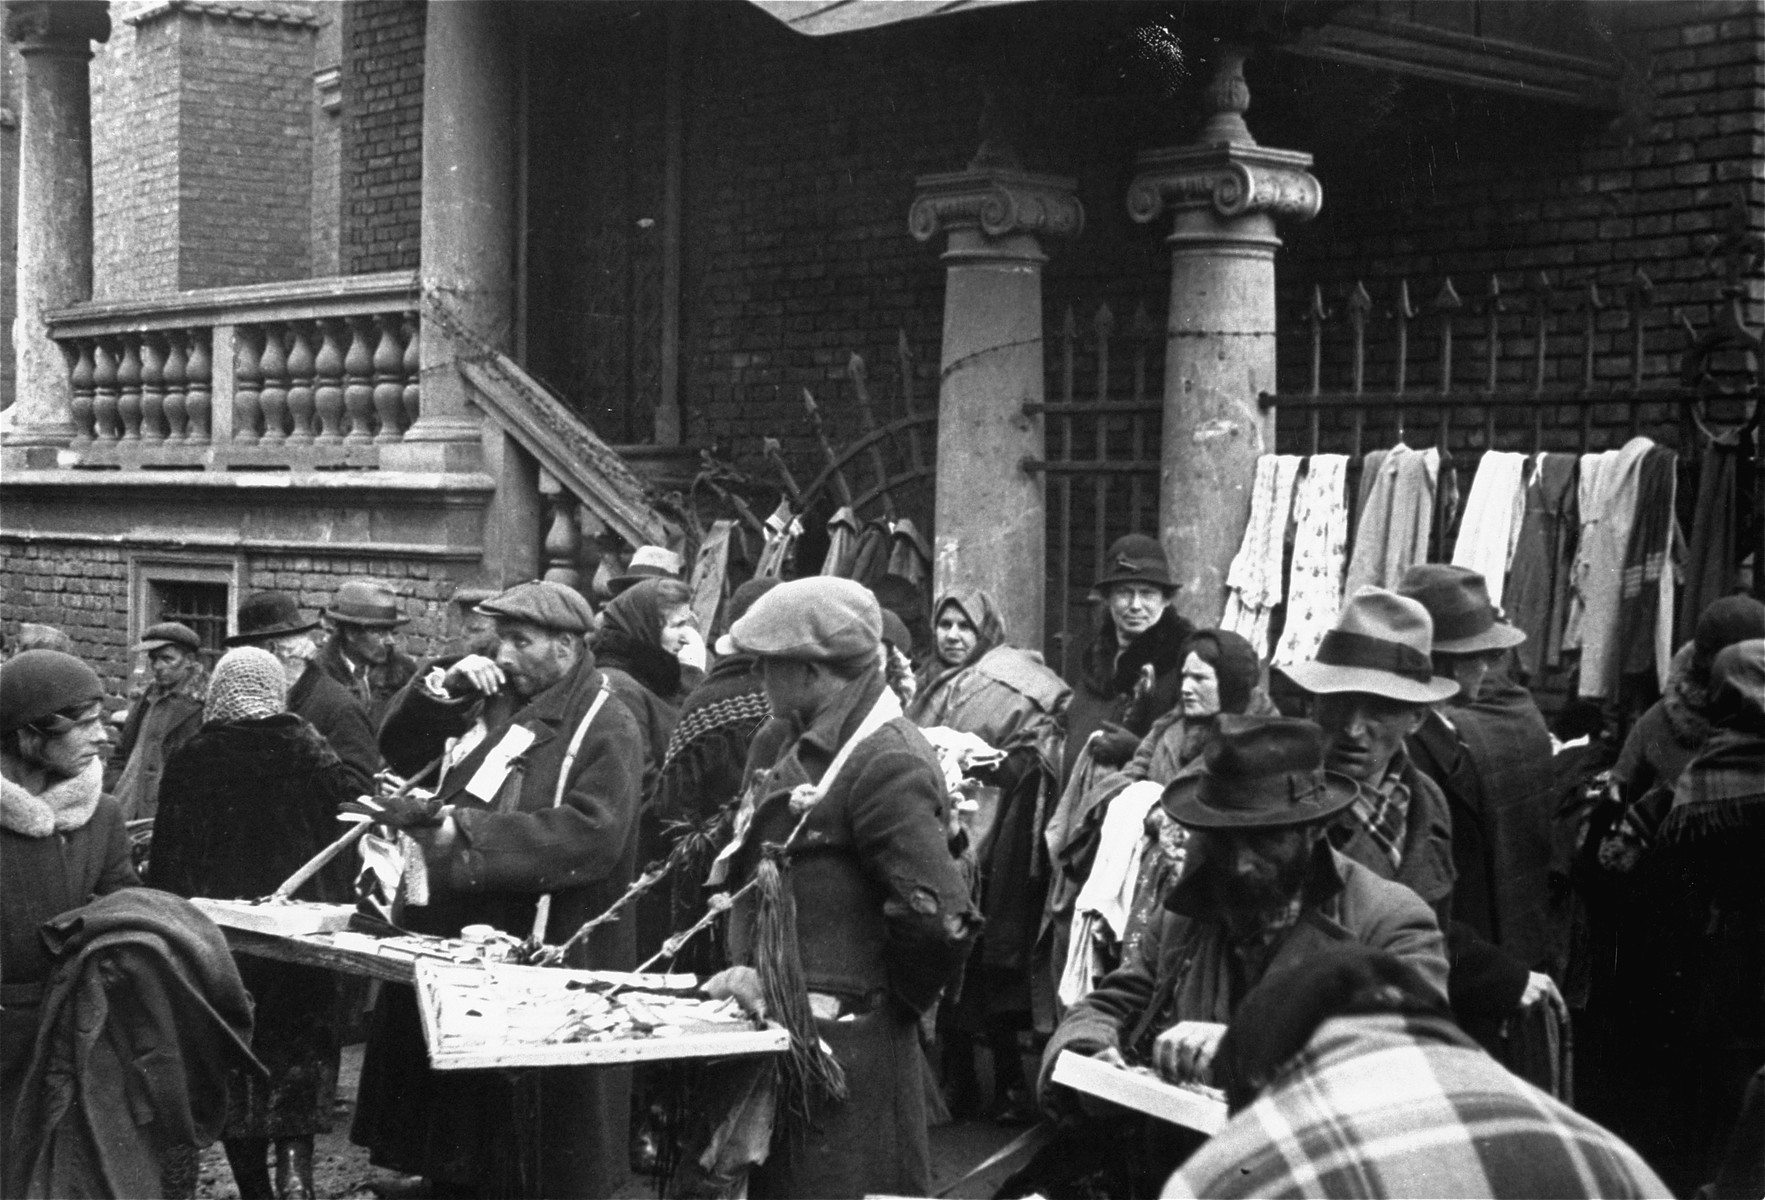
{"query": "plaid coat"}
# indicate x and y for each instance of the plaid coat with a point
(1388, 1105)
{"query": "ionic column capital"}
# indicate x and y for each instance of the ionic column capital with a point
(1234, 179)
(997, 201)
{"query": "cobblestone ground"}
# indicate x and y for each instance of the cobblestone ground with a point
(341, 1170)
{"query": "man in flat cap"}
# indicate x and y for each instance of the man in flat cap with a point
(167, 715)
(362, 651)
(532, 829)
(1261, 890)
(852, 794)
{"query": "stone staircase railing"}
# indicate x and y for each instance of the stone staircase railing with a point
(305, 374)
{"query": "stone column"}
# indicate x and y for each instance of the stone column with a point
(991, 519)
(54, 41)
(1225, 194)
(467, 250)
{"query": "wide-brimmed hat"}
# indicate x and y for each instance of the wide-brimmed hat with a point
(1260, 773)
(365, 602)
(1381, 645)
(1135, 558)
(647, 562)
(168, 633)
(1465, 620)
(264, 615)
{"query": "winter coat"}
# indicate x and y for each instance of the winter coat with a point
(243, 806)
(883, 922)
(341, 720)
(561, 1131)
(144, 1019)
(160, 722)
(374, 684)
(1105, 686)
(1184, 968)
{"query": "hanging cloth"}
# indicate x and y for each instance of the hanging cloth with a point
(711, 574)
(1711, 565)
(1608, 510)
(842, 546)
(1254, 582)
(910, 558)
(1107, 899)
(870, 561)
(782, 531)
(1396, 517)
(1320, 536)
(1494, 512)
(1537, 593)
(1645, 603)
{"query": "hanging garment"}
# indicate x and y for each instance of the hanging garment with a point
(782, 531)
(1254, 582)
(1537, 593)
(1396, 517)
(1712, 561)
(1608, 510)
(1493, 515)
(1645, 603)
(710, 573)
(911, 558)
(870, 560)
(842, 546)
(1320, 538)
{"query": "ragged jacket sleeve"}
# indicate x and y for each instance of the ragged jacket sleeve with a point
(898, 833)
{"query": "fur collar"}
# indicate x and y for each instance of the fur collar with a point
(59, 808)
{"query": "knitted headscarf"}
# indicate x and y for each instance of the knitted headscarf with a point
(1234, 660)
(248, 683)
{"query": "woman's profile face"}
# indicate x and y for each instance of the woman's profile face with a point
(1201, 687)
(1135, 608)
(956, 637)
(674, 624)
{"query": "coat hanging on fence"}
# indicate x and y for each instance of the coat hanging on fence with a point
(1608, 510)
(1396, 516)
(782, 531)
(870, 560)
(910, 557)
(1494, 512)
(1254, 582)
(1712, 561)
(1645, 604)
(1320, 542)
(842, 547)
(1537, 594)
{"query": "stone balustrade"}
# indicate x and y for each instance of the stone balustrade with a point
(310, 373)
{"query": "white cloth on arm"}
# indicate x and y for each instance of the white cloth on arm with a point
(1107, 898)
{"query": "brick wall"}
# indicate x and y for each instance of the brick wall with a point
(381, 186)
(135, 158)
(327, 137)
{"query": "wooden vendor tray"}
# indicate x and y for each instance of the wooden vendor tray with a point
(1142, 1091)
(499, 1015)
(281, 918)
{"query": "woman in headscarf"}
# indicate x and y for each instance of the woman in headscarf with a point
(242, 806)
(1007, 697)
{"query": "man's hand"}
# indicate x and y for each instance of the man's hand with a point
(744, 984)
(473, 673)
(1184, 1052)
(692, 649)
(1112, 745)
(414, 809)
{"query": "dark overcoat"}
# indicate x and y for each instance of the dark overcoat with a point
(243, 805)
(341, 720)
(562, 1131)
(883, 922)
(1108, 673)
(158, 725)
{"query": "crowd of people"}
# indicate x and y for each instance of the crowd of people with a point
(1419, 944)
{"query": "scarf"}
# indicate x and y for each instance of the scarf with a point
(58, 808)
(989, 632)
(631, 638)
(1384, 813)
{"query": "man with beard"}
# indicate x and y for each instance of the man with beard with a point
(168, 714)
(538, 798)
(1261, 890)
(362, 653)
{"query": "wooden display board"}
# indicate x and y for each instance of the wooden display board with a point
(1142, 1091)
(278, 918)
(496, 1015)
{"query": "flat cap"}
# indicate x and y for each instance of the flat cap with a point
(40, 682)
(168, 633)
(820, 619)
(543, 603)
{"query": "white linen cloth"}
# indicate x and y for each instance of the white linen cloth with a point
(1320, 544)
(1108, 895)
(1491, 525)
(1254, 584)
(1608, 511)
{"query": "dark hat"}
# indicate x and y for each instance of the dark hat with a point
(168, 633)
(1382, 645)
(647, 562)
(365, 602)
(820, 619)
(1465, 620)
(38, 683)
(543, 603)
(1260, 773)
(265, 615)
(1727, 621)
(1135, 558)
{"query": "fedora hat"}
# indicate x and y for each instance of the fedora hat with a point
(265, 615)
(647, 562)
(1260, 773)
(1465, 620)
(365, 602)
(1381, 645)
(1135, 558)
